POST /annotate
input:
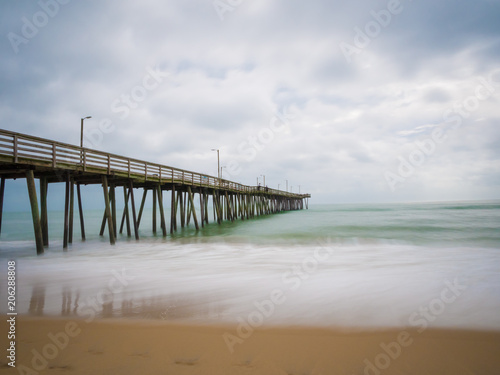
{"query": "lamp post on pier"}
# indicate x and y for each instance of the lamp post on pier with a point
(81, 132)
(81, 137)
(218, 164)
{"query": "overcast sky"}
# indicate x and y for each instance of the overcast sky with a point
(355, 101)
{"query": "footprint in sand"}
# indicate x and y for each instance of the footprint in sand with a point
(61, 367)
(97, 350)
(139, 354)
(247, 364)
(186, 361)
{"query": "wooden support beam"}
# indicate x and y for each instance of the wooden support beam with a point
(243, 213)
(122, 221)
(202, 210)
(80, 209)
(103, 223)
(224, 207)
(162, 214)
(71, 210)
(249, 201)
(30, 180)
(172, 209)
(184, 194)
(254, 206)
(232, 206)
(44, 220)
(141, 209)
(66, 214)
(217, 209)
(108, 209)
(213, 203)
(228, 208)
(206, 206)
(192, 208)
(176, 209)
(112, 197)
(250, 206)
(127, 193)
(132, 204)
(182, 208)
(220, 206)
(125, 215)
(246, 199)
(241, 208)
(188, 210)
(235, 206)
(154, 210)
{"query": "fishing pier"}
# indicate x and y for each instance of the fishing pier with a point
(25, 156)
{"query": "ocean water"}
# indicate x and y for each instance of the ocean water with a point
(364, 265)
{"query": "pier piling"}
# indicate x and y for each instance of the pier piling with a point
(24, 156)
(30, 180)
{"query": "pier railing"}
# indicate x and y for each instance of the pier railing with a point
(20, 148)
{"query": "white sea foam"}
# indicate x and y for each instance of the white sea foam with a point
(321, 284)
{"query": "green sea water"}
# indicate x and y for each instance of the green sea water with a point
(348, 265)
(431, 224)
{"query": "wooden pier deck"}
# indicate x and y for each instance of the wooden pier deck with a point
(25, 156)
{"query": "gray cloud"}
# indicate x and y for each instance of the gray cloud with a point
(227, 81)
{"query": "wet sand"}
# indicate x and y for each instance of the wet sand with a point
(59, 346)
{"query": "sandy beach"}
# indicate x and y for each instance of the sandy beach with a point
(59, 346)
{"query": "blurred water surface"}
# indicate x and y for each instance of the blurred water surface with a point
(331, 265)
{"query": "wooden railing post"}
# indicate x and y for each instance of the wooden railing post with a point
(15, 148)
(54, 155)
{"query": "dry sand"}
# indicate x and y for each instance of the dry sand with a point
(58, 346)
